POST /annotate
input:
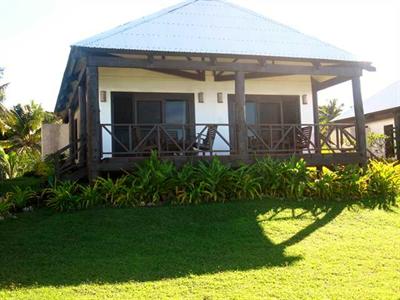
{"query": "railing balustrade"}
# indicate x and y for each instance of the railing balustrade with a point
(120, 140)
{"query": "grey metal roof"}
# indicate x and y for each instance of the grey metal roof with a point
(387, 98)
(214, 27)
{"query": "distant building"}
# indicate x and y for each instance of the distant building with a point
(380, 115)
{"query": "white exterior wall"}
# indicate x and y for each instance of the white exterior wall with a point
(137, 80)
(377, 126)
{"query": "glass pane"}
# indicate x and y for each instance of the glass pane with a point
(175, 112)
(270, 113)
(149, 112)
(251, 113)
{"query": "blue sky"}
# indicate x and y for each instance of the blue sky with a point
(35, 36)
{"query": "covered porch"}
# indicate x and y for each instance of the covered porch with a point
(257, 125)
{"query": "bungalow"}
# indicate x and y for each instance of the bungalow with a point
(382, 117)
(200, 79)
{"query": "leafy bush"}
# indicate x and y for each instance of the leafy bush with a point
(20, 198)
(64, 197)
(110, 190)
(156, 182)
(5, 207)
(90, 196)
(286, 179)
(382, 180)
(247, 185)
(341, 184)
(152, 182)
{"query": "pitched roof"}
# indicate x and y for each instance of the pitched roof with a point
(385, 99)
(214, 27)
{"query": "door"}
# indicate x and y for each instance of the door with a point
(145, 110)
(266, 114)
(123, 114)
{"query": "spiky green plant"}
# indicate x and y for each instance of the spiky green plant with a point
(63, 197)
(20, 198)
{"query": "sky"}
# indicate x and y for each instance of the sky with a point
(35, 37)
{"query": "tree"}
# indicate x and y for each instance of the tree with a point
(2, 86)
(23, 128)
(330, 111)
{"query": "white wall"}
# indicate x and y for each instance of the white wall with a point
(54, 137)
(377, 126)
(137, 80)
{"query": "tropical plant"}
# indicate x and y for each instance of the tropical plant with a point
(247, 185)
(14, 165)
(188, 189)
(330, 111)
(152, 181)
(382, 180)
(217, 179)
(22, 126)
(376, 143)
(5, 207)
(90, 196)
(20, 198)
(63, 197)
(111, 190)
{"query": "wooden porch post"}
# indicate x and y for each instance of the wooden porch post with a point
(82, 126)
(317, 139)
(360, 118)
(93, 122)
(71, 125)
(397, 133)
(240, 97)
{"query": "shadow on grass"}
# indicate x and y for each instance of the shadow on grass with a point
(120, 245)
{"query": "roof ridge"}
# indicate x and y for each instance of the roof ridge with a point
(137, 22)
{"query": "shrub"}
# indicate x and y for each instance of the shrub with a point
(247, 185)
(217, 181)
(64, 197)
(340, 184)
(109, 190)
(20, 198)
(90, 196)
(5, 207)
(283, 179)
(188, 188)
(152, 181)
(382, 180)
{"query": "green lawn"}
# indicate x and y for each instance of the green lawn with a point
(252, 250)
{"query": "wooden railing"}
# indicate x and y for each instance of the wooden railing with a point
(69, 157)
(300, 138)
(167, 139)
(221, 139)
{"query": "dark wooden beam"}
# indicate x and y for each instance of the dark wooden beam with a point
(363, 64)
(240, 97)
(93, 122)
(317, 139)
(200, 76)
(230, 77)
(82, 125)
(359, 118)
(331, 82)
(71, 126)
(119, 164)
(397, 132)
(214, 65)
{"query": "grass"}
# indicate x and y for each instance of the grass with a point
(248, 250)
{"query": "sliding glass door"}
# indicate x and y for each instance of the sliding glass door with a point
(134, 116)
